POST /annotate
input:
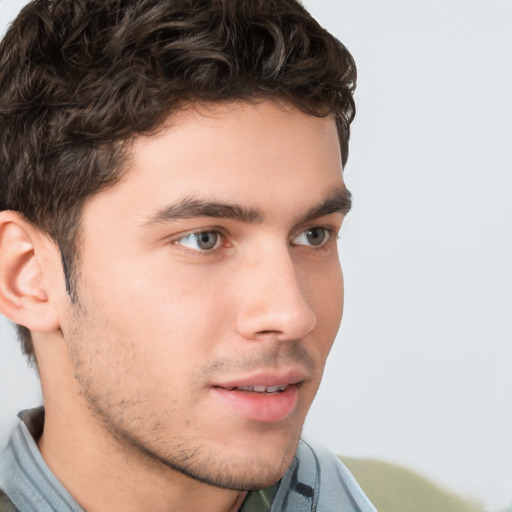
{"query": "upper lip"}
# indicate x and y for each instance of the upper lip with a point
(265, 378)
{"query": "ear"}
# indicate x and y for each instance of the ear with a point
(25, 258)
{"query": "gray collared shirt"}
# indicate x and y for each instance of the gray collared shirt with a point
(315, 482)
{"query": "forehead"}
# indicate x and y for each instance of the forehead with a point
(251, 152)
(248, 136)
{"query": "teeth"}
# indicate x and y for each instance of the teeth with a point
(273, 389)
(263, 389)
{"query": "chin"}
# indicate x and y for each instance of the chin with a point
(261, 468)
(245, 480)
(245, 469)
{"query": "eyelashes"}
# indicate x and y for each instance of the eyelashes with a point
(317, 236)
(201, 241)
(209, 241)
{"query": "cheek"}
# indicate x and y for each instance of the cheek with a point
(326, 300)
(325, 292)
(172, 315)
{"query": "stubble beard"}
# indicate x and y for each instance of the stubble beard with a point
(198, 462)
(147, 444)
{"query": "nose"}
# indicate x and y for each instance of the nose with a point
(271, 303)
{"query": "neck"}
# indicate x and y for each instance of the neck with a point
(101, 476)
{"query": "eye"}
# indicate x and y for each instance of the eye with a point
(314, 237)
(201, 241)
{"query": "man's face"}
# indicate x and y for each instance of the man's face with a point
(210, 291)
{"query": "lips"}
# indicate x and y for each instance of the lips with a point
(260, 389)
(264, 398)
(265, 379)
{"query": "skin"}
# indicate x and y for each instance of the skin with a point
(133, 374)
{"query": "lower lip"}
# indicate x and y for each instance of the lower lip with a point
(261, 407)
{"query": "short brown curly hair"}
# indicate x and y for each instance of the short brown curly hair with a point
(80, 78)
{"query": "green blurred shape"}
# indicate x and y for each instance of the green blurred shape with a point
(393, 488)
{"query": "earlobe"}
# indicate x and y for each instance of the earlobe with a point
(24, 298)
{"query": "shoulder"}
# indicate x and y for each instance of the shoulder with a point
(318, 481)
(6, 505)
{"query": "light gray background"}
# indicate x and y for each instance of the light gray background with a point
(422, 371)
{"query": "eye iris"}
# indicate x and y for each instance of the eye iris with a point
(316, 236)
(207, 240)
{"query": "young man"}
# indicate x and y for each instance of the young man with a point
(170, 193)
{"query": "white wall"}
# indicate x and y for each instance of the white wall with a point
(423, 366)
(422, 370)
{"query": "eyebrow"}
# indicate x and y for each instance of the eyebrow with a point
(339, 202)
(188, 208)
